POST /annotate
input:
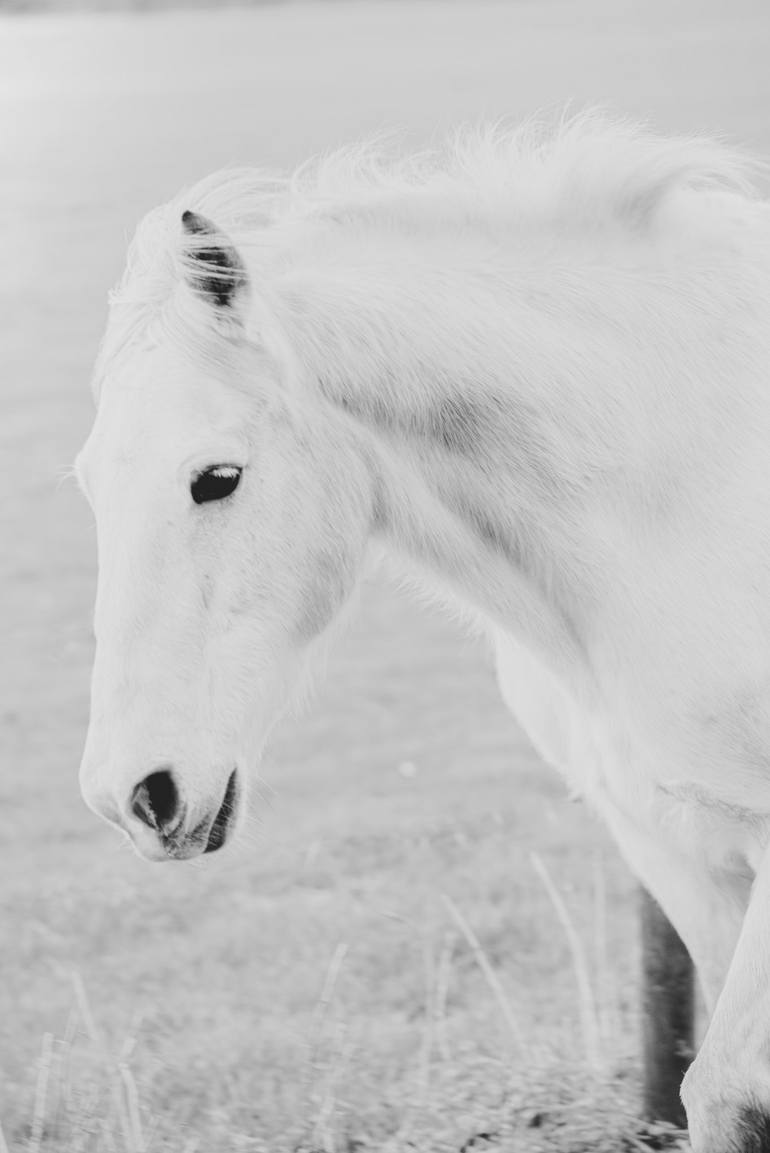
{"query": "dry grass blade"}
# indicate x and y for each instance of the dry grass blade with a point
(318, 1088)
(323, 1130)
(70, 1033)
(41, 1093)
(132, 1108)
(123, 1113)
(442, 994)
(607, 1008)
(56, 1084)
(138, 1143)
(124, 1097)
(332, 973)
(81, 1000)
(483, 962)
(428, 1038)
(419, 1098)
(324, 1001)
(3, 1143)
(587, 1003)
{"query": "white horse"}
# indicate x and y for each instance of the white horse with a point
(535, 372)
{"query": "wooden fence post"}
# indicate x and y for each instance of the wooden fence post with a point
(668, 1014)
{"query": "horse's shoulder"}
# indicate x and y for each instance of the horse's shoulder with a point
(549, 711)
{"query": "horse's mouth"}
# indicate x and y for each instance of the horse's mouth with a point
(224, 818)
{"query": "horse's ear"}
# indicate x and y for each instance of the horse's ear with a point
(214, 269)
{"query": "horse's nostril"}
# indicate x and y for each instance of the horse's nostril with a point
(155, 801)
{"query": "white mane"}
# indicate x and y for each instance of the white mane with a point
(588, 173)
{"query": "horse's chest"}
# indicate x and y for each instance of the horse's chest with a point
(565, 735)
(613, 767)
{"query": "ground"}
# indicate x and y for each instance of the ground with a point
(320, 987)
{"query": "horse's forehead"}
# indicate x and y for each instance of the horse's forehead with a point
(159, 413)
(170, 394)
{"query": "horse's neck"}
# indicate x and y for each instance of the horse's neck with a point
(477, 458)
(467, 532)
(486, 418)
(523, 412)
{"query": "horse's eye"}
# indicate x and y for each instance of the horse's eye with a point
(215, 483)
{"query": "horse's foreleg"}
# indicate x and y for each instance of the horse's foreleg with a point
(727, 1089)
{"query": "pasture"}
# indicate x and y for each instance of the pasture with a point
(382, 963)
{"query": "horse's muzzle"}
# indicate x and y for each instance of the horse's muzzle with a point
(164, 827)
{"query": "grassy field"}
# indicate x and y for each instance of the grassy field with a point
(320, 987)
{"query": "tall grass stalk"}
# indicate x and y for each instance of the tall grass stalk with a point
(586, 1000)
(41, 1093)
(514, 1029)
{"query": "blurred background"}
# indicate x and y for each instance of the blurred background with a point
(381, 964)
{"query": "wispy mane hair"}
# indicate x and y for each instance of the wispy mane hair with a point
(589, 171)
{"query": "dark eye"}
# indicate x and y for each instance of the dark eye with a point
(215, 483)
